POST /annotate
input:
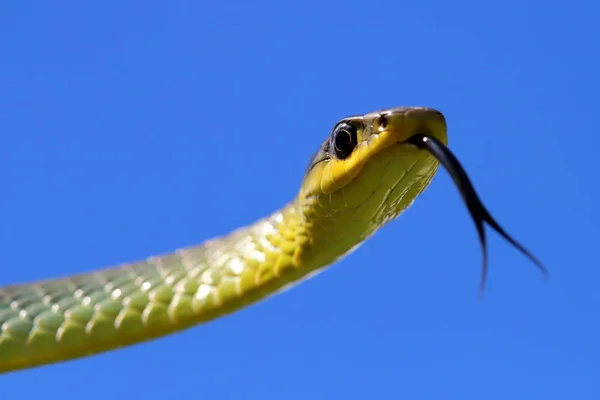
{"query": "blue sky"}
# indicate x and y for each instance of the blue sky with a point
(133, 128)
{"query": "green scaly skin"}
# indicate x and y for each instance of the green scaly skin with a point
(340, 204)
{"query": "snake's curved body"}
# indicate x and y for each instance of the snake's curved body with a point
(343, 200)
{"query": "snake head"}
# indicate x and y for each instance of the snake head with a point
(367, 169)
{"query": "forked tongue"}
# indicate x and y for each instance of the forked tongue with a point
(476, 208)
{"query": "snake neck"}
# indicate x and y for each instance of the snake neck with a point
(290, 244)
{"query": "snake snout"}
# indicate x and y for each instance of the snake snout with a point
(423, 120)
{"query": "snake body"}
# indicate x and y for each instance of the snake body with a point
(364, 175)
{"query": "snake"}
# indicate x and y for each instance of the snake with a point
(367, 171)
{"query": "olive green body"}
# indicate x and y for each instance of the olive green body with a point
(55, 320)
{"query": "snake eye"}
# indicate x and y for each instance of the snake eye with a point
(343, 140)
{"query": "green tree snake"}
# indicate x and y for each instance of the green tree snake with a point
(368, 170)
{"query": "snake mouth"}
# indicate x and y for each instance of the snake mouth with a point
(478, 211)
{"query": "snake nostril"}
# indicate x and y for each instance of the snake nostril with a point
(382, 122)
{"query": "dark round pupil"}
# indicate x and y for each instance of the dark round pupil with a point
(343, 140)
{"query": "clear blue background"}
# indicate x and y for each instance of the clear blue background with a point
(132, 128)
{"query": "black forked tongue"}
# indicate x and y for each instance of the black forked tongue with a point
(476, 208)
